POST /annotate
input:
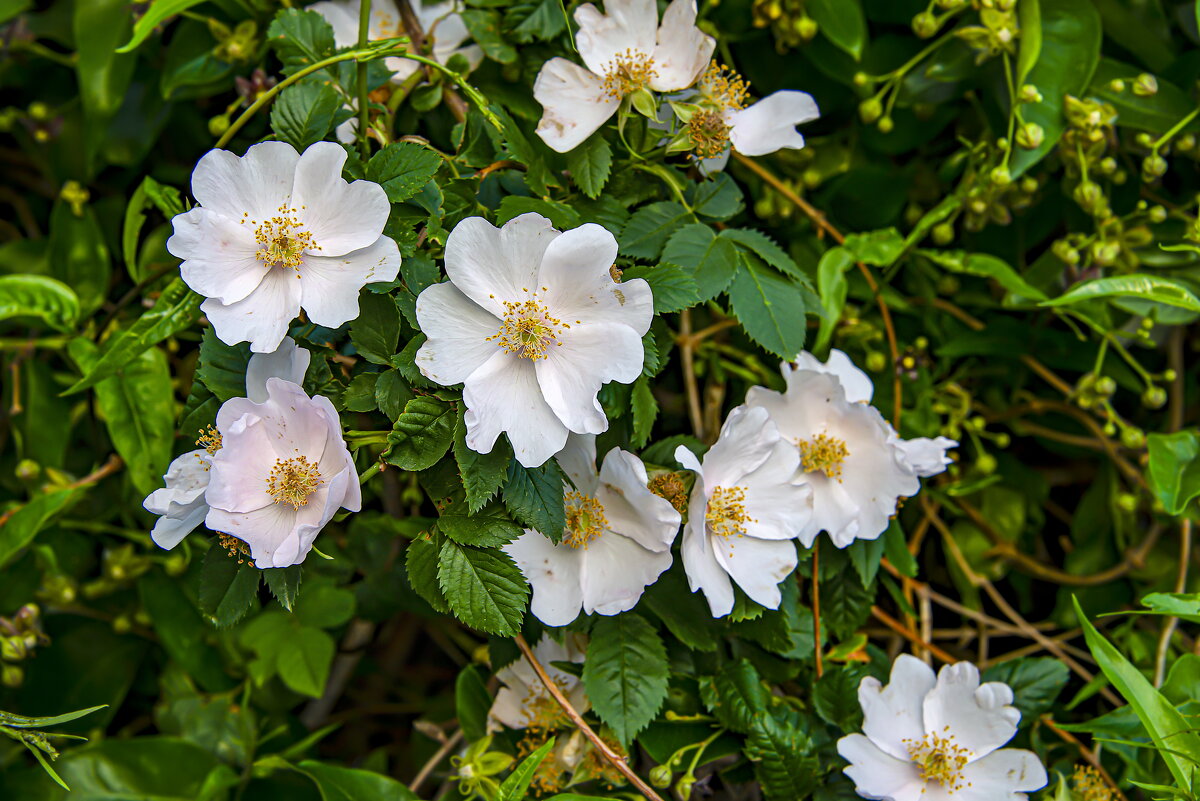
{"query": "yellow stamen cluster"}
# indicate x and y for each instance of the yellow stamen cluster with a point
(670, 487)
(293, 480)
(627, 73)
(235, 548)
(824, 453)
(209, 439)
(940, 760)
(709, 133)
(726, 514)
(543, 712)
(529, 329)
(585, 519)
(724, 87)
(282, 239)
(1089, 785)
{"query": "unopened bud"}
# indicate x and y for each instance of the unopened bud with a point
(1133, 438)
(985, 464)
(11, 676)
(1030, 135)
(660, 776)
(1154, 166)
(870, 110)
(1154, 397)
(1157, 214)
(1145, 85)
(218, 125)
(876, 361)
(1001, 176)
(886, 125)
(1062, 248)
(807, 28)
(1091, 199)
(943, 233)
(1127, 501)
(1105, 386)
(1117, 85)
(683, 788)
(28, 470)
(861, 79)
(1029, 94)
(925, 25)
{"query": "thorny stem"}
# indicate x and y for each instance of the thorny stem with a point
(613, 758)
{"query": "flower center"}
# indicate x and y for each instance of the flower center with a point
(940, 759)
(293, 480)
(528, 330)
(627, 73)
(709, 133)
(282, 239)
(585, 519)
(726, 513)
(824, 453)
(209, 439)
(235, 548)
(724, 88)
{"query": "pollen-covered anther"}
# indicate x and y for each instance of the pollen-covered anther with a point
(823, 453)
(627, 73)
(282, 239)
(724, 88)
(237, 549)
(940, 759)
(585, 519)
(529, 330)
(709, 134)
(293, 481)
(209, 439)
(726, 513)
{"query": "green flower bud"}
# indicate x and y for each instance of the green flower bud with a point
(28, 470)
(1105, 386)
(1000, 176)
(218, 125)
(39, 111)
(660, 776)
(1144, 139)
(1091, 199)
(1169, 375)
(1107, 165)
(1029, 184)
(1062, 248)
(1154, 166)
(876, 362)
(886, 125)
(1154, 397)
(683, 788)
(925, 25)
(943, 233)
(1133, 438)
(985, 464)
(1002, 440)
(870, 110)
(1116, 85)
(11, 676)
(861, 79)
(807, 28)
(1158, 214)
(1029, 94)
(1145, 85)
(1030, 135)
(1127, 501)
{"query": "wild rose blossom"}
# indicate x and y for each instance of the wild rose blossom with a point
(523, 702)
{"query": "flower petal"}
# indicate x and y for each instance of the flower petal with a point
(269, 531)
(341, 216)
(756, 565)
(683, 50)
(574, 104)
(1003, 775)
(893, 714)
(747, 439)
(626, 26)
(578, 460)
(554, 573)
(778, 503)
(876, 774)
(923, 456)
(503, 395)
(219, 255)
(703, 570)
(289, 361)
(855, 383)
(493, 265)
(770, 124)
(576, 271)
(342, 17)
(329, 287)
(616, 571)
(630, 507)
(256, 184)
(170, 531)
(238, 481)
(262, 317)
(980, 718)
(588, 357)
(458, 332)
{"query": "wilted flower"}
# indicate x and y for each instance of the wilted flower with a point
(525, 703)
(627, 54)
(925, 738)
(533, 325)
(616, 543)
(276, 231)
(746, 507)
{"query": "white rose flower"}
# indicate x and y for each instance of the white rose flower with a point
(745, 508)
(625, 51)
(938, 740)
(616, 543)
(533, 325)
(524, 702)
(856, 464)
(277, 231)
(181, 502)
(281, 473)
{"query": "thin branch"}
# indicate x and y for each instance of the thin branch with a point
(910, 635)
(1084, 752)
(1164, 641)
(435, 760)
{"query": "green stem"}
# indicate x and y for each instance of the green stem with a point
(369, 473)
(667, 178)
(470, 91)
(364, 23)
(1176, 128)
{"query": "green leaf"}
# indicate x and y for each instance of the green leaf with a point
(19, 722)
(25, 523)
(770, 307)
(1175, 468)
(986, 266)
(712, 260)
(472, 702)
(626, 673)
(545, 22)
(534, 496)
(403, 169)
(485, 529)
(138, 408)
(1176, 739)
(100, 26)
(222, 367)
(1141, 286)
(154, 16)
(516, 784)
(831, 288)
(421, 563)
(1029, 20)
(765, 248)
(717, 199)
(360, 393)
(783, 766)
(1140, 28)
(649, 228)
(181, 630)
(684, 613)
(880, 248)
(1069, 52)
(227, 590)
(835, 697)
(392, 393)
(895, 548)
(1156, 113)
(482, 473)
(336, 783)
(300, 38)
(304, 659)
(560, 214)
(284, 583)
(158, 768)
(376, 331)
(736, 696)
(176, 308)
(590, 164)
(325, 606)
(303, 113)
(842, 22)
(485, 30)
(47, 299)
(79, 255)
(845, 604)
(645, 411)
(484, 588)
(1035, 681)
(422, 434)
(673, 287)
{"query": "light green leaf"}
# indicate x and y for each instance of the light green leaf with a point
(303, 113)
(832, 289)
(842, 22)
(986, 266)
(284, 583)
(673, 287)
(154, 16)
(1175, 468)
(626, 673)
(421, 563)
(304, 659)
(534, 496)
(337, 783)
(376, 331)
(25, 523)
(1029, 20)
(45, 298)
(712, 260)
(560, 214)
(649, 228)
(645, 411)
(484, 26)
(484, 588)
(483, 474)
(403, 169)
(1141, 286)
(516, 784)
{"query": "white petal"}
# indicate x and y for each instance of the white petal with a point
(341, 216)
(574, 104)
(342, 16)
(923, 456)
(631, 508)
(503, 396)
(243, 464)
(778, 503)
(256, 184)
(578, 460)
(588, 357)
(683, 50)
(892, 714)
(329, 286)
(219, 255)
(261, 318)
(747, 439)
(270, 532)
(170, 531)
(855, 383)
(554, 573)
(492, 265)
(616, 571)
(770, 124)
(457, 330)
(1003, 775)
(979, 718)
(756, 565)
(576, 271)
(876, 774)
(289, 361)
(626, 25)
(185, 483)
(699, 561)
(509, 709)
(688, 460)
